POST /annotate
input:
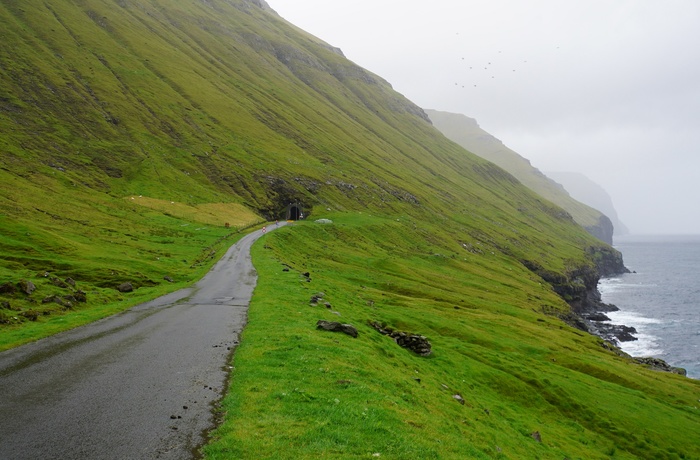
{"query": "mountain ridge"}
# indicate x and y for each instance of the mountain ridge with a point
(466, 132)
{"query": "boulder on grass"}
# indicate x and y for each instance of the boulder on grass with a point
(337, 327)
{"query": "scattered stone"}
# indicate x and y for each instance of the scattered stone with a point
(59, 283)
(126, 287)
(285, 269)
(26, 286)
(168, 279)
(7, 288)
(31, 315)
(324, 221)
(316, 298)
(306, 274)
(459, 398)
(58, 300)
(80, 296)
(70, 281)
(328, 305)
(536, 436)
(337, 327)
(416, 343)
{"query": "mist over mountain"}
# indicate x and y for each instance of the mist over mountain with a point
(586, 191)
(466, 132)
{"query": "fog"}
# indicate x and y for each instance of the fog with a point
(610, 89)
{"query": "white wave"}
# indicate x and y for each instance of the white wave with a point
(631, 318)
(646, 344)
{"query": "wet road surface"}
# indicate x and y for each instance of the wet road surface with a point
(138, 385)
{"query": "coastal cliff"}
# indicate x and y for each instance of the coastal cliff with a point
(467, 133)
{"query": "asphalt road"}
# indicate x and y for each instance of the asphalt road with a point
(138, 385)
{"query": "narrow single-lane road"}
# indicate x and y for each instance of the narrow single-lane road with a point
(138, 385)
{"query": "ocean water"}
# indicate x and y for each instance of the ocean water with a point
(661, 300)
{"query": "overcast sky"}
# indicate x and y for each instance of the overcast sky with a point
(607, 88)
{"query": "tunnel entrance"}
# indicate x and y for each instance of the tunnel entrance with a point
(294, 212)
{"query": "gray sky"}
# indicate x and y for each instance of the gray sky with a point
(608, 88)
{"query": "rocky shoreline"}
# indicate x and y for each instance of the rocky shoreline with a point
(599, 324)
(588, 311)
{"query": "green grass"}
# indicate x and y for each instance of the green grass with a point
(99, 244)
(298, 392)
(219, 111)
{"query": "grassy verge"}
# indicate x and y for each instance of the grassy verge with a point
(77, 263)
(532, 387)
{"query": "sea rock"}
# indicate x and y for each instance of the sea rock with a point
(614, 332)
(337, 327)
(658, 364)
(597, 316)
(125, 287)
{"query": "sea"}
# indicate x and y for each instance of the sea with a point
(661, 298)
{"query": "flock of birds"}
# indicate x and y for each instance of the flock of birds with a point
(491, 70)
(488, 68)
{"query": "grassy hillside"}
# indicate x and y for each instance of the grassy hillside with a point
(132, 132)
(466, 132)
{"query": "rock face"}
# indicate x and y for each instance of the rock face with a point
(586, 191)
(603, 230)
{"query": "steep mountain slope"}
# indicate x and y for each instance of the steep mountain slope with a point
(466, 132)
(132, 132)
(586, 191)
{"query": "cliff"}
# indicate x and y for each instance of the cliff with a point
(466, 132)
(586, 191)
